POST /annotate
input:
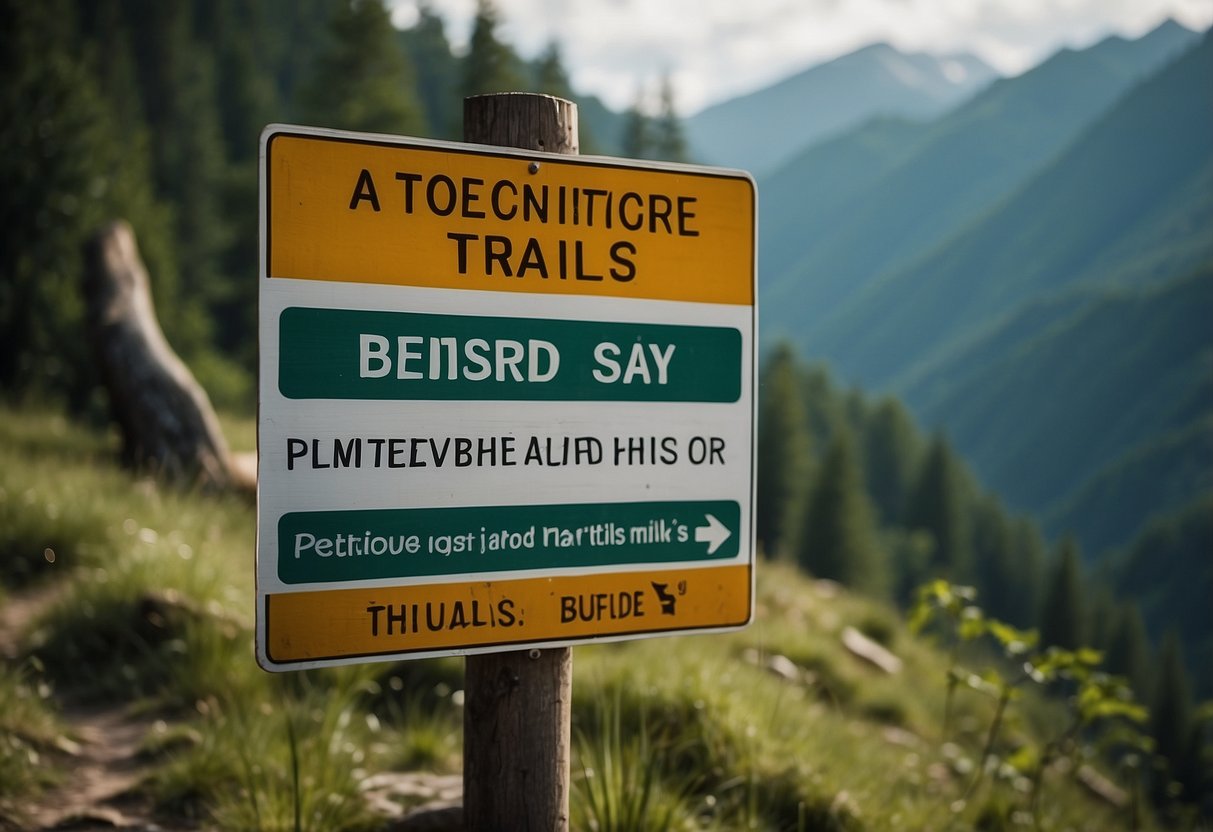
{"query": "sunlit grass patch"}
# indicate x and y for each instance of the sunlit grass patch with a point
(275, 762)
(70, 505)
(154, 584)
(420, 705)
(239, 430)
(110, 637)
(50, 519)
(164, 617)
(743, 733)
(29, 731)
(628, 782)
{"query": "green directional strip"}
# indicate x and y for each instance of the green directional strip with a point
(329, 546)
(353, 354)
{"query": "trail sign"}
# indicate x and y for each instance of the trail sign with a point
(506, 398)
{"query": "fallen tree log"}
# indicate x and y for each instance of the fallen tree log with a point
(164, 416)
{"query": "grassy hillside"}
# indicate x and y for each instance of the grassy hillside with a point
(141, 607)
(878, 212)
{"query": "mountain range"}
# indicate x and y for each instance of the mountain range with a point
(1031, 271)
(847, 212)
(830, 98)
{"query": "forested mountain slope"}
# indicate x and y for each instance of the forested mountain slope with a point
(1113, 378)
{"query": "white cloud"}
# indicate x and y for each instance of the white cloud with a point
(715, 49)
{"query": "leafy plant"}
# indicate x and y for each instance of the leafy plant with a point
(953, 608)
(1098, 699)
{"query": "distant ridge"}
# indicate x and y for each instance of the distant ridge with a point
(1122, 205)
(761, 130)
(843, 214)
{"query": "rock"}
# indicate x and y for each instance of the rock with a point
(1102, 787)
(416, 801)
(875, 654)
(784, 668)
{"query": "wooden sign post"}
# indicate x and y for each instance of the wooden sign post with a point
(518, 705)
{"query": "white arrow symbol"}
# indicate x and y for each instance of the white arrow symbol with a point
(713, 534)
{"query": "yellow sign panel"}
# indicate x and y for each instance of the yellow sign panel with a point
(347, 623)
(361, 355)
(355, 209)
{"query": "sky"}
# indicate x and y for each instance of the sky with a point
(713, 50)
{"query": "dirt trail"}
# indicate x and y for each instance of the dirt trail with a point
(100, 760)
(98, 775)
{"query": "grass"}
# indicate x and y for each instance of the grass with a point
(777, 727)
(625, 781)
(277, 762)
(29, 732)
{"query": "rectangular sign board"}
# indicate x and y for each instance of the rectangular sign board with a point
(506, 399)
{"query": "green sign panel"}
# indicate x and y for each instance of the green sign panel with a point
(329, 546)
(352, 354)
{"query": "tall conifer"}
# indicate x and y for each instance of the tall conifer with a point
(438, 73)
(937, 505)
(1129, 650)
(994, 566)
(362, 81)
(783, 454)
(637, 130)
(839, 539)
(1171, 711)
(890, 458)
(669, 139)
(1028, 576)
(491, 65)
(68, 165)
(1062, 614)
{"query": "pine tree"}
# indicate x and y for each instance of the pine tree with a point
(823, 403)
(995, 566)
(153, 219)
(937, 505)
(1129, 650)
(437, 70)
(1062, 616)
(68, 166)
(839, 540)
(783, 454)
(177, 89)
(551, 78)
(1171, 712)
(491, 65)
(890, 456)
(362, 81)
(637, 131)
(669, 140)
(1026, 580)
(1102, 617)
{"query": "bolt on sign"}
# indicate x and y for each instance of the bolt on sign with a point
(506, 399)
